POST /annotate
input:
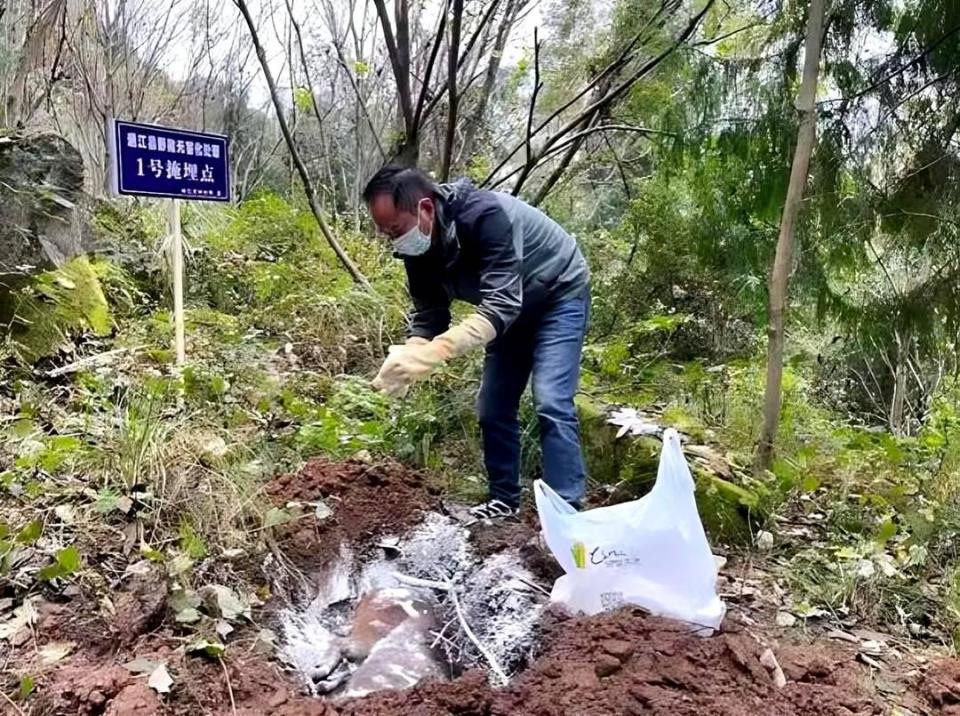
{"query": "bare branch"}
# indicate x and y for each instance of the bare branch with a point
(463, 58)
(607, 97)
(425, 81)
(294, 152)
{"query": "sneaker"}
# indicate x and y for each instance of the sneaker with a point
(493, 510)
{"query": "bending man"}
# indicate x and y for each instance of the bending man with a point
(530, 284)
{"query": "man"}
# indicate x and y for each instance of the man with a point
(530, 284)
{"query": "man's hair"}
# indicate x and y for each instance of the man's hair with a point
(405, 185)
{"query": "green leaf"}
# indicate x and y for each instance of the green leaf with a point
(31, 533)
(786, 473)
(27, 685)
(184, 603)
(224, 602)
(276, 516)
(63, 443)
(847, 553)
(48, 573)
(303, 99)
(361, 68)
(810, 483)
(933, 440)
(178, 565)
(187, 616)
(150, 553)
(206, 647)
(69, 559)
(6, 552)
(888, 531)
(67, 562)
(191, 542)
(106, 501)
(23, 428)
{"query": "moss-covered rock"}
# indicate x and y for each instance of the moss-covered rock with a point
(611, 461)
(54, 306)
(631, 463)
(727, 510)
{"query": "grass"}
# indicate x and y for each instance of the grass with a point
(171, 464)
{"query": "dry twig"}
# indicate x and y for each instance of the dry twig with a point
(467, 630)
(226, 675)
(11, 702)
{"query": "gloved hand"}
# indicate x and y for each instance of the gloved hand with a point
(405, 365)
(415, 361)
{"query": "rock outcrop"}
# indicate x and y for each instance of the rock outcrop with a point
(41, 182)
(49, 291)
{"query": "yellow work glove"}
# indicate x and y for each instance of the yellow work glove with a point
(415, 361)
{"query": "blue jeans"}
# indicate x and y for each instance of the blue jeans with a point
(546, 345)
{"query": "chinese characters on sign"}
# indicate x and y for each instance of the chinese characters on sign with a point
(149, 160)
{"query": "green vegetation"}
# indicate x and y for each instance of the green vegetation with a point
(281, 348)
(56, 306)
(674, 187)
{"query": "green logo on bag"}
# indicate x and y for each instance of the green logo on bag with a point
(579, 551)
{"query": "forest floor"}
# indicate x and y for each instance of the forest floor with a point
(101, 653)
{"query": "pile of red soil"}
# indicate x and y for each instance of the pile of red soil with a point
(367, 500)
(941, 687)
(621, 663)
(630, 663)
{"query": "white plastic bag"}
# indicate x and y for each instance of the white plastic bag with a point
(651, 552)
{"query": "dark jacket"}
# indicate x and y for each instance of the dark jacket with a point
(496, 252)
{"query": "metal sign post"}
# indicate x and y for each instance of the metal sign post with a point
(176, 266)
(154, 161)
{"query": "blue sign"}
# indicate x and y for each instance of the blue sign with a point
(149, 160)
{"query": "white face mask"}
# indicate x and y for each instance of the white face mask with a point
(413, 242)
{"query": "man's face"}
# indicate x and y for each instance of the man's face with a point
(394, 222)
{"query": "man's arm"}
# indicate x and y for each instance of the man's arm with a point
(501, 297)
(431, 305)
(501, 282)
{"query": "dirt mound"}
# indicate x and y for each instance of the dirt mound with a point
(366, 499)
(941, 686)
(524, 536)
(83, 689)
(631, 663)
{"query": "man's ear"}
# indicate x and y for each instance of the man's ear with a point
(429, 207)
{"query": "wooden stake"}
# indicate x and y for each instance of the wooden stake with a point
(176, 265)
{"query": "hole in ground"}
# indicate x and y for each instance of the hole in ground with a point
(425, 605)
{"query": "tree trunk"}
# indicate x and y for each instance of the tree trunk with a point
(780, 275)
(898, 400)
(295, 154)
(291, 169)
(453, 59)
(490, 77)
(331, 177)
